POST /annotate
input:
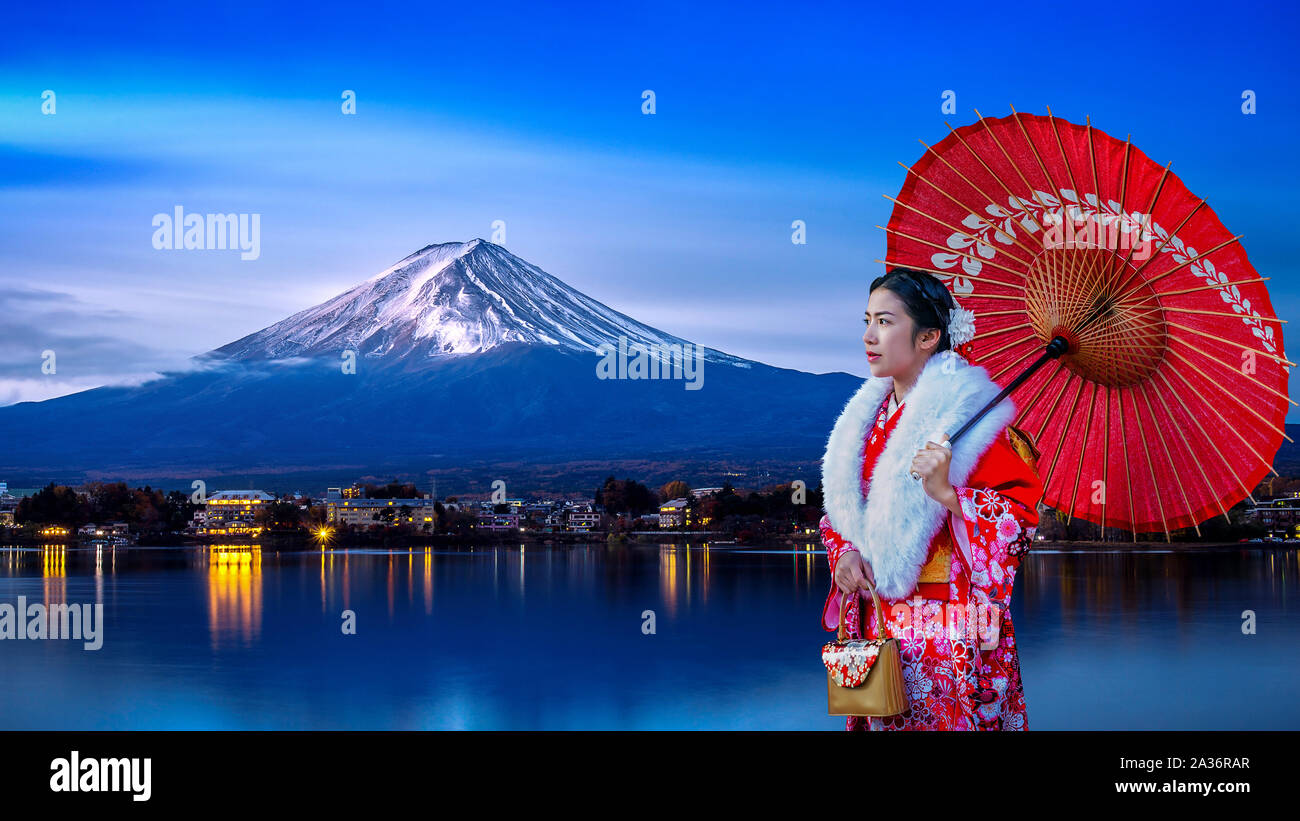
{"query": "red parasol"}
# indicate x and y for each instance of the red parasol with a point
(1166, 399)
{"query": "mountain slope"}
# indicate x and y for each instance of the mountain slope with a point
(466, 356)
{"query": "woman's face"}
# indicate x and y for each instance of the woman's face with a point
(888, 338)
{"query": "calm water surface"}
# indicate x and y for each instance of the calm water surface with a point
(551, 638)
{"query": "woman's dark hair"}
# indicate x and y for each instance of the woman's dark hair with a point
(926, 299)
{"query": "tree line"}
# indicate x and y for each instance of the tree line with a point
(755, 514)
(143, 509)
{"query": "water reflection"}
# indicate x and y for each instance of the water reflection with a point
(271, 623)
(1121, 586)
(234, 593)
(428, 581)
(668, 578)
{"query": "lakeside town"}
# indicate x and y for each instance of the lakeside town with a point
(111, 513)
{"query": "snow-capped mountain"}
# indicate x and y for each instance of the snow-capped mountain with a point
(448, 299)
(469, 360)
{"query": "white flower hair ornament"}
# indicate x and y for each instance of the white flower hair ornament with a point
(961, 325)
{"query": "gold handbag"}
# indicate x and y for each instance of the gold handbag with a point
(864, 677)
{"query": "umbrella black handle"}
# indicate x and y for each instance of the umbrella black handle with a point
(1054, 349)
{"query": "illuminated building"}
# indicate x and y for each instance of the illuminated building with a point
(233, 513)
(582, 521)
(1280, 516)
(676, 513)
(8, 504)
(487, 520)
(114, 531)
(342, 509)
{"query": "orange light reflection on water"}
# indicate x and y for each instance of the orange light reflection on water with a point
(234, 592)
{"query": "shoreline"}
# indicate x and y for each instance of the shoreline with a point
(305, 541)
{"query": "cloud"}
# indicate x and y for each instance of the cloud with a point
(13, 391)
(85, 345)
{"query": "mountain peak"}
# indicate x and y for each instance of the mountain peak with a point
(439, 251)
(449, 299)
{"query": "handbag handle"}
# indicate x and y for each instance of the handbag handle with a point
(880, 619)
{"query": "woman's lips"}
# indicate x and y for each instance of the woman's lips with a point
(872, 357)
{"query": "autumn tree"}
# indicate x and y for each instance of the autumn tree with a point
(676, 489)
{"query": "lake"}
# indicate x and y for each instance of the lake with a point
(549, 638)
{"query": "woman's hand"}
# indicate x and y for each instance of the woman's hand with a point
(852, 572)
(931, 464)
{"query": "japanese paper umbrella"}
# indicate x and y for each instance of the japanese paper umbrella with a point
(1138, 343)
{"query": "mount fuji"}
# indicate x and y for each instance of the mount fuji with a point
(466, 362)
(449, 299)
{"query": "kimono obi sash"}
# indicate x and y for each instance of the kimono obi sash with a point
(936, 572)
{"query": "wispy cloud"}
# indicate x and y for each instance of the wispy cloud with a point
(57, 344)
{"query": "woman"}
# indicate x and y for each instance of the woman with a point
(939, 548)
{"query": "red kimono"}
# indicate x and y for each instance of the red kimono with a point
(952, 683)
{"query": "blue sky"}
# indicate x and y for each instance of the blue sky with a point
(531, 114)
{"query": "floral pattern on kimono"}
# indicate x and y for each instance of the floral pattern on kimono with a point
(952, 683)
